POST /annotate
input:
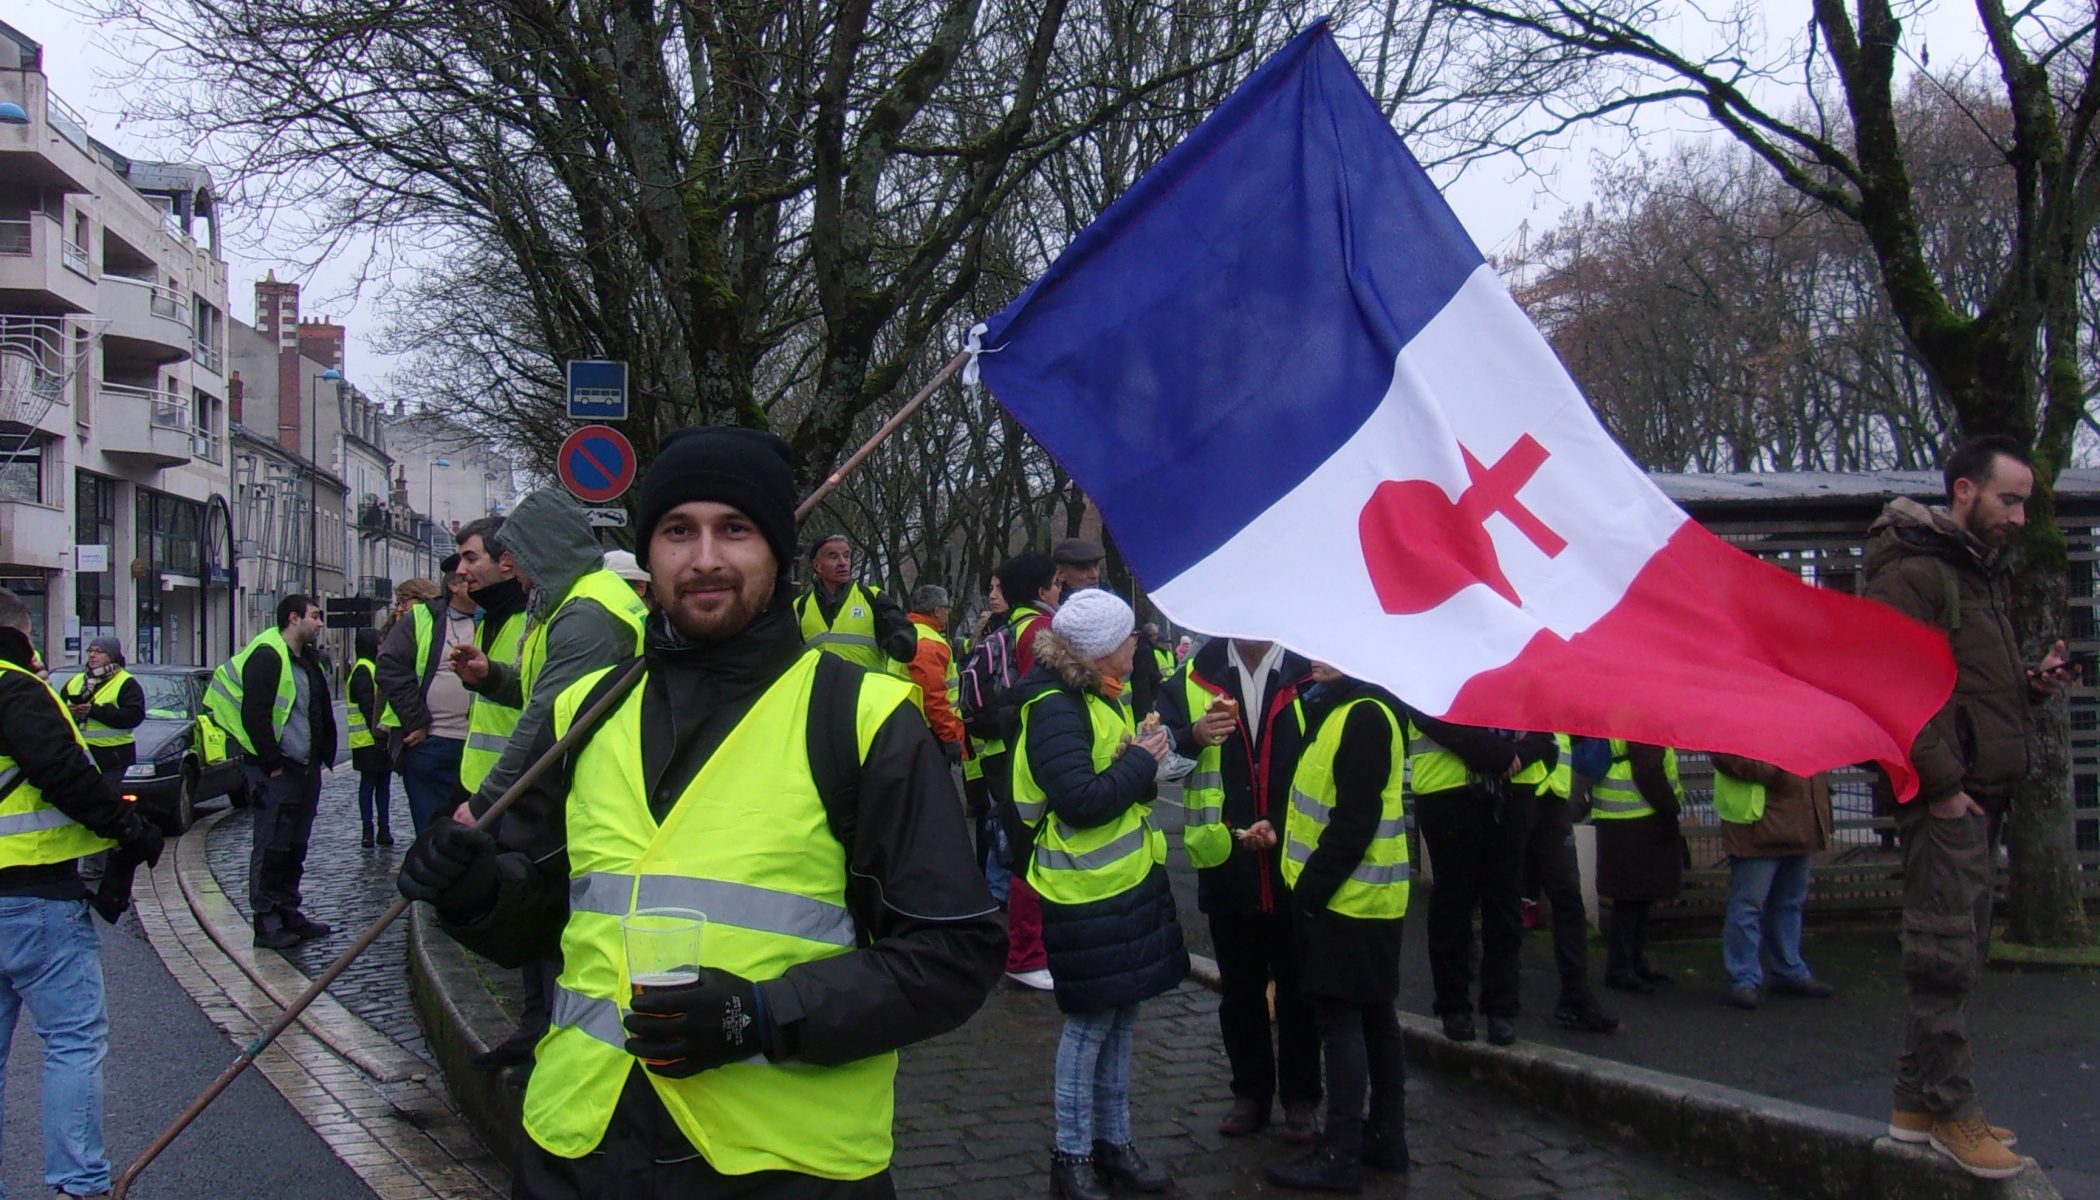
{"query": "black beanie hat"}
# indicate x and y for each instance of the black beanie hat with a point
(746, 468)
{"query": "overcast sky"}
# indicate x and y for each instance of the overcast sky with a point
(1493, 200)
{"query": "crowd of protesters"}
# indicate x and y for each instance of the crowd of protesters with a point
(851, 912)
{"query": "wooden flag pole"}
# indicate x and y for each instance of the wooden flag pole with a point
(577, 732)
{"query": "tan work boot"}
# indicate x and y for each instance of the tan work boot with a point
(1916, 1127)
(1969, 1143)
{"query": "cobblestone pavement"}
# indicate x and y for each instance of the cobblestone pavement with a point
(347, 886)
(973, 1120)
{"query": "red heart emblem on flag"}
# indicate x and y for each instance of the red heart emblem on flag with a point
(1422, 547)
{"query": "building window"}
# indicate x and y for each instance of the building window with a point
(95, 524)
(31, 590)
(22, 467)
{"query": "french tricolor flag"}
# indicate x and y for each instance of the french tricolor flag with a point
(1309, 411)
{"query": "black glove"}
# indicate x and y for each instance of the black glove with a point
(145, 843)
(954, 752)
(113, 895)
(453, 866)
(682, 1031)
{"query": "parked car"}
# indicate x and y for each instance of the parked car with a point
(170, 777)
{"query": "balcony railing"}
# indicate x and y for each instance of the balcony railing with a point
(66, 122)
(168, 410)
(18, 237)
(162, 300)
(207, 445)
(76, 257)
(209, 357)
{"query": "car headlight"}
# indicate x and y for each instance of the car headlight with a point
(142, 771)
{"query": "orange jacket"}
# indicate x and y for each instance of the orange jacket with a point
(929, 669)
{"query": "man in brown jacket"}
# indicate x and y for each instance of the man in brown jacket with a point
(1947, 567)
(1772, 822)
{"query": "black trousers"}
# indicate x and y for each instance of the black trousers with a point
(1552, 857)
(1365, 1058)
(1253, 950)
(1476, 840)
(1626, 938)
(284, 820)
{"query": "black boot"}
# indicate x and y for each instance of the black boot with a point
(365, 839)
(1072, 1177)
(386, 836)
(1335, 1165)
(1123, 1164)
(1385, 1140)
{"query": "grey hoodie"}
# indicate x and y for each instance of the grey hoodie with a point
(552, 541)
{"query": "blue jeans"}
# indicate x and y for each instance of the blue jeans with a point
(375, 798)
(430, 775)
(1765, 896)
(50, 960)
(1093, 1079)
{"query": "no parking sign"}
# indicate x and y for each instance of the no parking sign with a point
(596, 463)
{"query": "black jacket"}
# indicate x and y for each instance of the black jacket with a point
(364, 696)
(34, 733)
(259, 696)
(1486, 752)
(1348, 958)
(404, 682)
(936, 940)
(1257, 774)
(1127, 948)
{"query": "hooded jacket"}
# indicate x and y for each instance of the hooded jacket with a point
(554, 546)
(1105, 953)
(1922, 564)
(1797, 817)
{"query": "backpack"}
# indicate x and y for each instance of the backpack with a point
(1592, 757)
(985, 686)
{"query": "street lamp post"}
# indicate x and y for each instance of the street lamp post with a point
(430, 506)
(313, 481)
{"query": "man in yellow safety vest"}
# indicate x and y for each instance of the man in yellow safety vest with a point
(856, 621)
(787, 796)
(108, 704)
(54, 810)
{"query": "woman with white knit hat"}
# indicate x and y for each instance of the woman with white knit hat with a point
(1083, 778)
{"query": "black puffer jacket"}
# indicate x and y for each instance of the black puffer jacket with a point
(1106, 953)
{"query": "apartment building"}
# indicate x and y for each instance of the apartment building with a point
(448, 470)
(114, 416)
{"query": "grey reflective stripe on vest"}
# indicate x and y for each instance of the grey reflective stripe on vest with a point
(1201, 780)
(33, 821)
(599, 1019)
(1031, 810)
(1611, 796)
(844, 639)
(10, 779)
(492, 743)
(1301, 853)
(1051, 859)
(1318, 813)
(743, 905)
(218, 684)
(1210, 815)
(1421, 743)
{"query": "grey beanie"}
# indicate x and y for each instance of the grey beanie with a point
(110, 645)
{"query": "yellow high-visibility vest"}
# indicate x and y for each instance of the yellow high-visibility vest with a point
(1377, 887)
(1616, 798)
(223, 699)
(96, 733)
(361, 734)
(1080, 866)
(749, 845)
(489, 724)
(33, 831)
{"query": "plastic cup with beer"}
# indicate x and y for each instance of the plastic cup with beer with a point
(663, 947)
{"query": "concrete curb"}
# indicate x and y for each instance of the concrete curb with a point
(454, 1007)
(341, 1030)
(1798, 1149)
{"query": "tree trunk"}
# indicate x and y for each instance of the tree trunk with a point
(2044, 907)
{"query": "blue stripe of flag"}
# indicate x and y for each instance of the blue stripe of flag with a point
(1229, 322)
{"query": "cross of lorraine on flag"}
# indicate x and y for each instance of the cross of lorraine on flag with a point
(1310, 412)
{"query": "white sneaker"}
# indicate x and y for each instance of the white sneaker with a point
(1039, 979)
